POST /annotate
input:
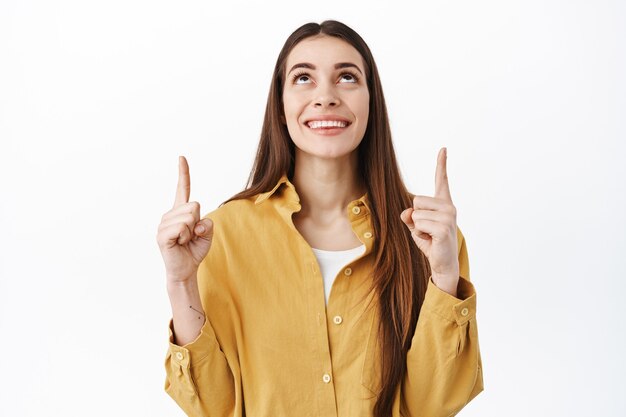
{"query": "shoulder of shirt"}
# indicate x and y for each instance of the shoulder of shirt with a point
(242, 207)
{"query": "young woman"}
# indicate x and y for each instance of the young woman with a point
(256, 329)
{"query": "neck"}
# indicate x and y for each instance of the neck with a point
(325, 185)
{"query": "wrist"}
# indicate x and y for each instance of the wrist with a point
(447, 283)
(182, 286)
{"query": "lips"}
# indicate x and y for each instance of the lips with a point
(327, 125)
(327, 130)
(329, 118)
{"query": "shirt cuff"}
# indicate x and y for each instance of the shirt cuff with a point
(451, 308)
(196, 350)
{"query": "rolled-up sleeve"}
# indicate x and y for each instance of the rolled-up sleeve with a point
(444, 366)
(198, 377)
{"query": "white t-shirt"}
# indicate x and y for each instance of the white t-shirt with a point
(333, 261)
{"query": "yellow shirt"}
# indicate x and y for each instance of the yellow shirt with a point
(272, 347)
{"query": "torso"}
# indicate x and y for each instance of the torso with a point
(333, 235)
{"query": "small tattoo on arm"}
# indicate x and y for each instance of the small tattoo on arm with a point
(199, 317)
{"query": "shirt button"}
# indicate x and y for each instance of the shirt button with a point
(465, 311)
(179, 356)
(337, 319)
(347, 271)
(356, 209)
(326, 378)
(367, 234)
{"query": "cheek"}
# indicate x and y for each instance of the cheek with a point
(361, 103)
(364, 108)
(290, 106)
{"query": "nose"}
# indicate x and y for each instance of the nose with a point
(326, 97)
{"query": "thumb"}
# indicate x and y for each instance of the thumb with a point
(406, 218)
(204, 228)
(201, 243)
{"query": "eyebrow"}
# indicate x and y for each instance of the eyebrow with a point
(337, 66)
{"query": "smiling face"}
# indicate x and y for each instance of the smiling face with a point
(325, 79)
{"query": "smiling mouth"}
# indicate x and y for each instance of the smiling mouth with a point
(328, 130)
(327, 124)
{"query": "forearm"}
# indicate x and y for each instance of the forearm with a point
(198, 375)
(187, 313)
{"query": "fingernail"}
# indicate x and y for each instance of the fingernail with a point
(200, 229)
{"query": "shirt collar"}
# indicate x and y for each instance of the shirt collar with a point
(264, 196)
(364, 200)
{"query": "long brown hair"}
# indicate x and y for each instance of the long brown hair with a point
(401, 271)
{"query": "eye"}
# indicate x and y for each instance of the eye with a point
(355, 78)
(297, 75)
(352, 77)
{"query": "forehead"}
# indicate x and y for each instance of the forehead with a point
(324, 51)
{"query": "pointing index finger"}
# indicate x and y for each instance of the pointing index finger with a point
(442, 188)
(184, 182)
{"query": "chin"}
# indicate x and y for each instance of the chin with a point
(331, 151)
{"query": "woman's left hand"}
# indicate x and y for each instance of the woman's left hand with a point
(432, 222)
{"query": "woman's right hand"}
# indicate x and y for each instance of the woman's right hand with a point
(184, 239)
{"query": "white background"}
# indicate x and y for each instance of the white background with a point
(98, 99)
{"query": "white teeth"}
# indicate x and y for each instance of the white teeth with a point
(326, 123)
